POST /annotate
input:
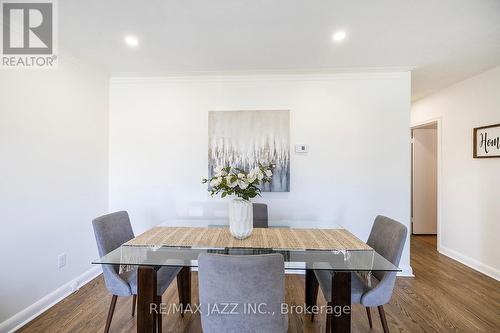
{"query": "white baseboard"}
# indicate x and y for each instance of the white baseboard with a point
(470, 262)
(406, 271)
(34, 310)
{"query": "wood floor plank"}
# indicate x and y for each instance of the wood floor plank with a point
(444, 296)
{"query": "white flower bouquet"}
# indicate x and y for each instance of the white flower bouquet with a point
(229, 180)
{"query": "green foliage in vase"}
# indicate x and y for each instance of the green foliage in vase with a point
(228, 180)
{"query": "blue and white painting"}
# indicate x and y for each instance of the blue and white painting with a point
(245, 138)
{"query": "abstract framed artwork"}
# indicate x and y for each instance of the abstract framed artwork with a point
(245, 138)
(487, 141)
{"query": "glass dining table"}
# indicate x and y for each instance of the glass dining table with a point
(147, 260)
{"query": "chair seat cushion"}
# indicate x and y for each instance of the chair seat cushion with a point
(358, 286)
(165, 276)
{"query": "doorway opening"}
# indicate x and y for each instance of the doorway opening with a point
(424, 181)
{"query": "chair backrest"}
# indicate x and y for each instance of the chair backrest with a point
(387, 238)
(111, 231)
(253, 287)
(260, 217)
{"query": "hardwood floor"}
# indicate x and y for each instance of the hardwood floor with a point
(444, 296)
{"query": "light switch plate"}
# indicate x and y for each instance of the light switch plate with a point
(301, 148)
(61, 260)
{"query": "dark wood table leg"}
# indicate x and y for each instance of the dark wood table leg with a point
(184, 288)
(311, 290)
(146, 299)
(341, 302)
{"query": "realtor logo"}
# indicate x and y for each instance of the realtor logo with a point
(28, 31)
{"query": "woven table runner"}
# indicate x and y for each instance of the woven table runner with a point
(263, 238)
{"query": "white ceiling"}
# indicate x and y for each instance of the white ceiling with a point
(444, 40)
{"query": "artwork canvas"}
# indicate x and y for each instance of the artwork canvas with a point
(245, 138)
(487, 141)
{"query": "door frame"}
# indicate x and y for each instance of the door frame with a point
(438, 122)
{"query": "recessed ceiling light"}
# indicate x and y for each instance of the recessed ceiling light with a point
(339, 36)
(131, 41)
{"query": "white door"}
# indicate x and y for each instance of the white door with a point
(425, 181)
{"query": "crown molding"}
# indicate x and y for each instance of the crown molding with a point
(358, 73)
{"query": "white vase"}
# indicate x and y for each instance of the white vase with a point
(240, 218)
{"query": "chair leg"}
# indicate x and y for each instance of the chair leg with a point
(369, 314)
(110, 313)
(134, 302)
(383, 319)
(158, 304)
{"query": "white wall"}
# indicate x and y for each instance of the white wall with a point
(356, 125)
(470, 188)
(53, 169)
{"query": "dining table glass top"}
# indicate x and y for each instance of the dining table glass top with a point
(296, 259)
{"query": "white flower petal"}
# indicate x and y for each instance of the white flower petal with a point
(215, 182)
(243, 185)
(221, 174)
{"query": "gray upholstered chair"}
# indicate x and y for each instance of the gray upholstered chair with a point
(260, 219)
(387, 238)
(242, 282)
(111, 231)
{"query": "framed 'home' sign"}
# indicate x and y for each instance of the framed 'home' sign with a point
(487, 141)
